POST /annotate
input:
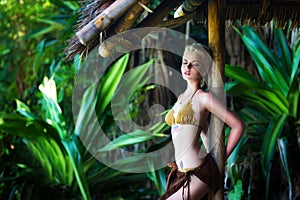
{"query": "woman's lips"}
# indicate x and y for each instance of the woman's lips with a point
(187, 73)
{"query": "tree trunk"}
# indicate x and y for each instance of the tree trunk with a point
(216, 24)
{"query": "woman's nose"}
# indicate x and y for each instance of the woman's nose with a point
(189, 66)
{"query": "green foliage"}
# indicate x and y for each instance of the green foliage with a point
(58, 150)
(237, 192)
(271, 106)
(33, 35)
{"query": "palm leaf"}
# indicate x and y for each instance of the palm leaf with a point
(273, 98)
(135, 137)
(78, 168)
(24, 128)
(295, 64)
(110, 83)
(283, 53)
(237, 192)
(55, 118)
(24, 110)
(265, 61)
(158, 177)
(241, 75)
(269, 144)
(282, 146)
(86, 111)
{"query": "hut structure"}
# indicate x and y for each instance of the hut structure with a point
(113, 17)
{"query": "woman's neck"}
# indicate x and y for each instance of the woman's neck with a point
(192, 87)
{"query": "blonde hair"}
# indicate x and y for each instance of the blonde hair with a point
(203, 51)
(206, 59)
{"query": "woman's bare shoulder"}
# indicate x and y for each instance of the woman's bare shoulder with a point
(203, 95)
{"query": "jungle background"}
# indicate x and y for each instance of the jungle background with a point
(42, 156)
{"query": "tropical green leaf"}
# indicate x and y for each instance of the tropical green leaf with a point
(274, 101)
(158, 177)
(237, 192)
(130, 83)
(86, 111)
(110, 82)
(135, 137)
(295, 63)
(78, 168)
(283, 152)
(293, 99)
(135, 77)
(24, 110)
(259, 45)
(241, 75)
(269, 144)
(52, 25)
(53, 111)
(67, 5)
(24, 128)
(257, 100)
(264, 60)
(283, 53)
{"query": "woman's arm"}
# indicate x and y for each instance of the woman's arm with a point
(214, 106)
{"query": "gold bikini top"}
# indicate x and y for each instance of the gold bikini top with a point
(185, 115)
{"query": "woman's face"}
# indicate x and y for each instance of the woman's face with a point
(191, 66)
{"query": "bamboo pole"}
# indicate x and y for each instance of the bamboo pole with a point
(216, 36)
(188, 6)
(105, 19)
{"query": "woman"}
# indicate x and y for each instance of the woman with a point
(193, 174)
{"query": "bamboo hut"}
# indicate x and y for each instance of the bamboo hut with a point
(255, 12)
(112, 17)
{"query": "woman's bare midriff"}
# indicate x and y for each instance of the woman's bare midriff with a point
(186, 145)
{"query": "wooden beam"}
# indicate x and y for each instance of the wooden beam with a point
(216, 41)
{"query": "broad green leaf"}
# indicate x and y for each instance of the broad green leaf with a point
(283, 152)
(255, 114)
(86, 111)
(295, 63)
(52, 158)
(269, 144)
(293, 99)
(131, 82)
(269, 74)
(24, 110)
(78, 168)
(135, 137)
(110, 82)
(67, 5)
(52, 25)
(135, 77)
(53, 111)
(257, 100)
(241, 75)
(259, 44)
(283, 52)
(265, 61)
(274, 101)
(158, 177)
(237, 192)
(24, 128)
(230, 87)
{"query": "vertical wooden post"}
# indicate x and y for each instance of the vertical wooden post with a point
(216, 40)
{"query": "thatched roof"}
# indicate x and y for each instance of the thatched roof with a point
(255, 12)
(260, 12)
